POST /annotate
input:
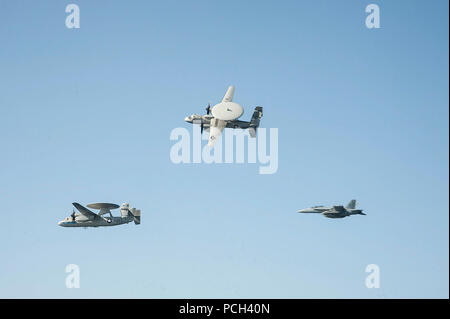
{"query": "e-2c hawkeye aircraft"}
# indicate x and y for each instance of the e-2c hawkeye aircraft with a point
(225, 115)
(87, 218)
(335, 211)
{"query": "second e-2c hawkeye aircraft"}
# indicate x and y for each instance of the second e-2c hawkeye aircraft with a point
(225, 115)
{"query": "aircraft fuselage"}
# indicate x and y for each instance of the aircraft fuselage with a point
(85, 222)
(331, 212)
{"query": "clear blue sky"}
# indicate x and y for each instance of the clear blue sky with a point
(86, 116)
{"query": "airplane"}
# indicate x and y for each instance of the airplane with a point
(87, 218)
(225, 115)
(335, 211)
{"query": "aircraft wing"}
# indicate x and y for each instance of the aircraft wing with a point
(83, 210)
(214, 134)
(229, 94)
(216, 127)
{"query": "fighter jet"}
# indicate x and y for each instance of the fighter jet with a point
(87, 218)
(225, 114)
(335, 211)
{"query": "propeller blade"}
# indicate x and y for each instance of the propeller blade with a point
(208, 109)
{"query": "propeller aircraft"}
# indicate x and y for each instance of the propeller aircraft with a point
(87, 218)
(225, 115)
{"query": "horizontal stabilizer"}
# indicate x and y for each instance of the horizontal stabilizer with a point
(357, 211)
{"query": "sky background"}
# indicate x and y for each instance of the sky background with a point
(361, 113)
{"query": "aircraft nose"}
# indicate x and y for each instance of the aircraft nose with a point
(60, 223)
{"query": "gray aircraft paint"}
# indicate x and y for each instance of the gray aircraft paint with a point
(87, 218)
(225, 115)
(334, 211)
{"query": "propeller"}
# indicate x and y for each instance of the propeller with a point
(208, 111)
(73, 215)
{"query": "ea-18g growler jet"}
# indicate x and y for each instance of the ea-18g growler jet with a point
(87, 218)
(225, 115)
(335, 211)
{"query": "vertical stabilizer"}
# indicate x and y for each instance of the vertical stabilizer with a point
(124, 209)
(351, 204)
(137, 216)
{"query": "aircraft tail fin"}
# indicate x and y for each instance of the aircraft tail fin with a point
(254, 121)
(351, 204)
(136, 214)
